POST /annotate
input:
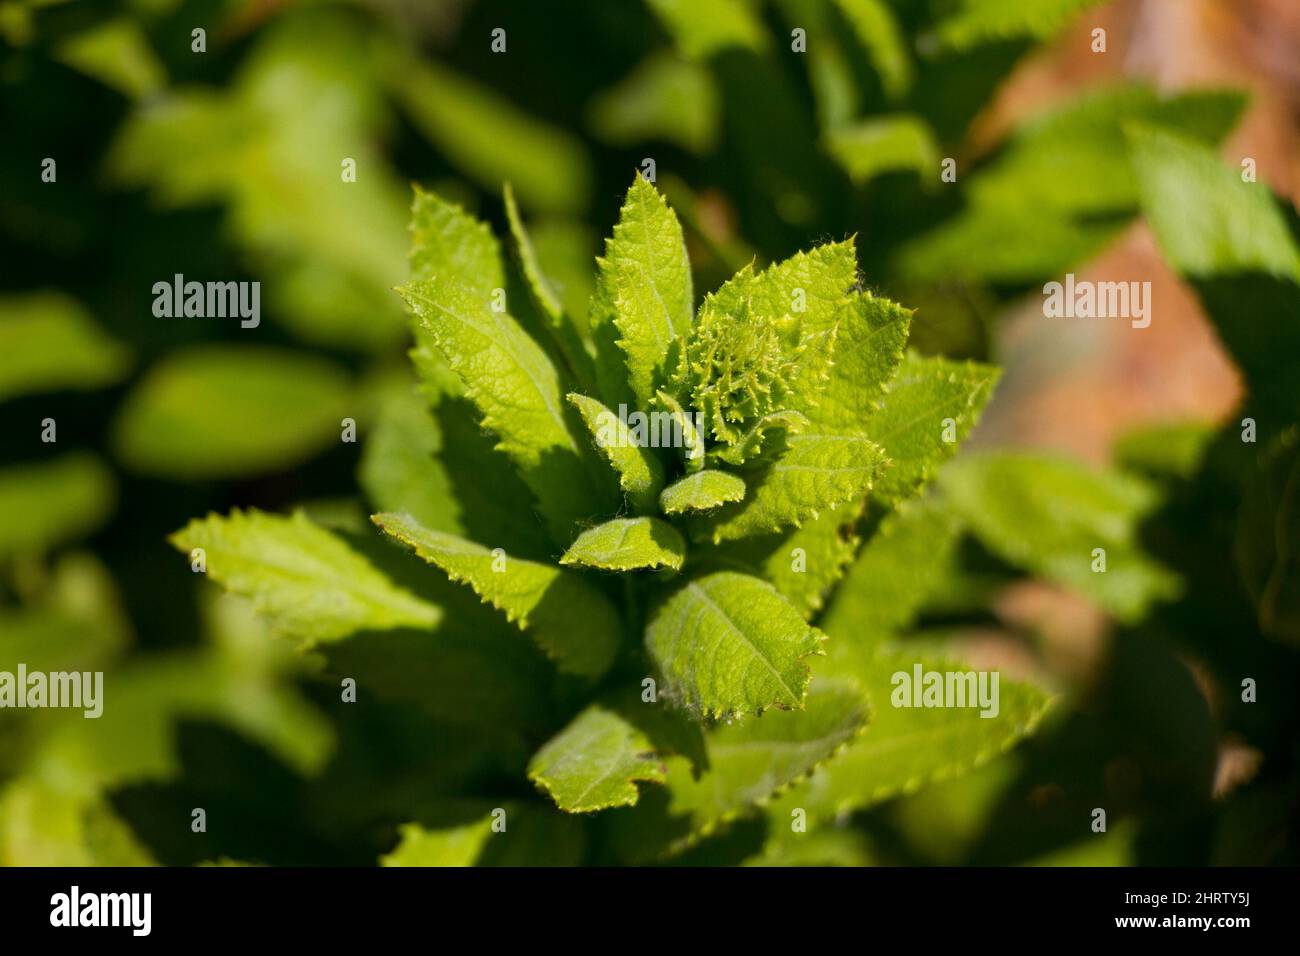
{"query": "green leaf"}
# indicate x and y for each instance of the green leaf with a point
(572, 622)
(117, 53)
(595, 762)
(976, 22)
(895, 572)
(517, 390)
(644, 289)
(705, 27)
(729, 644)
(816, 473)
(751, 761)
(870, 148)
(306, 579)
(692, 440)
(202, 413)
(878, 31)
(663, 98)
(640, 473)
(749, 446)
(450, 244)
(628, 544)
(490, 139)
(1049, 515)
(930, 401)
(701, 491)
(43, 824)
(908, 747)
(870, 343)
(48, 504)
(48, 342)
(446, 846)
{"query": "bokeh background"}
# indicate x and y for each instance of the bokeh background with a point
(225, 165)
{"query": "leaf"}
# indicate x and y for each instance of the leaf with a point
(448, 846)
(908, 747)
(703, 28)
(307, 580)
(870, 148)
(48, 342)
(517, 390)
(202, 412)
(595, 762)
(729, 644)
(628, 544)
(749, 446)
(663, 98)
(567, 336)
(691, 440)
(977, 22)
(571, 621)
(701, 491)
(450, 244)
(644, 289)
(490, 139)
(48, 504)
(1048, 515)
(870, 345)
(640, 474)
(42, 824)
(926, 398)
(116, 53)
(895, 572)
(816, 473)
(878, 31)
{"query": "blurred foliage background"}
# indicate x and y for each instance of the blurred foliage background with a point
(225, 165)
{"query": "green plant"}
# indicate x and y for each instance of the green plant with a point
(670, 562)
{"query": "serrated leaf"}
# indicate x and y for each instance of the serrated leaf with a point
(908, 747)
(640, 473)
(818, 472)
(517, 390)
(702, 491)
(45, 505)
(749, 446)
(894, 573)
(913, 424)
(570, 620)
(595, 763)
(1048, 515)
(202, 413)
(729, 644)
(310, 583)
(692, 440)
(870, 344)
(449, 243)
(644, 289)
(628, 544)
(48, 342)
(566, 334)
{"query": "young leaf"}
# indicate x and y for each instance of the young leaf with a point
(450, 244)
(571, 621)
(817, 472)
(870, 344)
(202, 413)
(640, 474)
(306, 579)
(48, 504)
(595, 762)
(729, 644)
(692, 440)
(701, 491)
(644, 288)
(562, 329)
(628, 544)
(1064, 521)
(749, 446)
(933, 404)
(517, 390)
